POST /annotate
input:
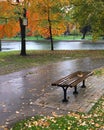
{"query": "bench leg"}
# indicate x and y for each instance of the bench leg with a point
(75, 90)
(83, 85)
(65, 94)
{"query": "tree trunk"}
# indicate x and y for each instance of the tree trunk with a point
(51, 37)
(23, 35)
(0, 44)
(50, 30)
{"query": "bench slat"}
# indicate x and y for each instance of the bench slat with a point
(70, 76)
(67, 82)
(72, 79)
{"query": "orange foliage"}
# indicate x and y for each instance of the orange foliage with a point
(33, 21)
(1, 33)
(57, 30)
(45, 10)
(6, 10)
(9, 27)
(38, 13)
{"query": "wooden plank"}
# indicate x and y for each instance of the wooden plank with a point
(72, 79)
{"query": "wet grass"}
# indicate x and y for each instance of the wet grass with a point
(12, 61)
(99, 71)
(72, 37)
(94, 120)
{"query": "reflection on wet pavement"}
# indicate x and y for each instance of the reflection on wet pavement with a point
(19, 90)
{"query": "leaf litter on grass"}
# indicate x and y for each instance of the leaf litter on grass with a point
(94, 120)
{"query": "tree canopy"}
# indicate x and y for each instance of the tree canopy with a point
(57, 12)
(38, 12)
(8, 20)
(89, 12)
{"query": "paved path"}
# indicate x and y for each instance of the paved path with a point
(29, 92)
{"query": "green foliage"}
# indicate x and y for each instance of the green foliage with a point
(99, 71)
(89, 12)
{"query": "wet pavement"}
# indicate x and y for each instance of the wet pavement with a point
(29, 92)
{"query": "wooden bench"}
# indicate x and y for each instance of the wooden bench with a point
(72, 80)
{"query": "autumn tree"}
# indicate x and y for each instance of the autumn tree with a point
(89, 12)
(9, 20)
(20, 10)
(50, 16)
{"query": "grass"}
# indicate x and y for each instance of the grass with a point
(70, 37)
(27, 38)
(99, 72)
(12, 61)
(94, 120)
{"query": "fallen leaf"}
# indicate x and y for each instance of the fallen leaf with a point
(97, 125)
(31, 103)
(17, 112)
(33, 110)
(5, 128)
(54, 114)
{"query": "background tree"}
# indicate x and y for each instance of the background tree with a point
(89, 12)
(84, 30)
(20, 11)
(10, 21)
(50, 17)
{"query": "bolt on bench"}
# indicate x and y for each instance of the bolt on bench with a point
(72, 80)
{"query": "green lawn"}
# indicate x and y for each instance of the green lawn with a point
(70, 37)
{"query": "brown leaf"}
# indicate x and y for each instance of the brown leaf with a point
(54, 114)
